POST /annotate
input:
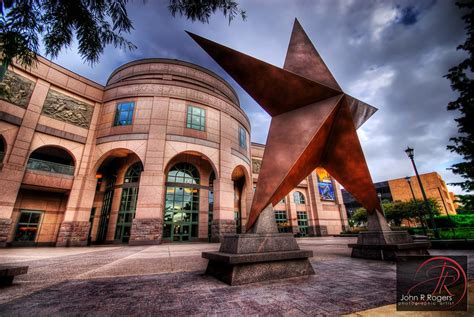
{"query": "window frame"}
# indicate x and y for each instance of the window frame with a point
(301, 198)
(190, 115)
(242, 138)
(130, 114)
(28, 224)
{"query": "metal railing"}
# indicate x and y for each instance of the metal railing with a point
(46, 166)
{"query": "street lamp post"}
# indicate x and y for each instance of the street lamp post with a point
(381, 205)
(410, 152)
(408, 179)
(447, 213)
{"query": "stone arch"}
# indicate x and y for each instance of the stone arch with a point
(183, 155)
(114, 153)
(242, 195)
(61, 160)
(63, 148)
(173, 149)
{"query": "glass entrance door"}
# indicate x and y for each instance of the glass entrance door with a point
(105, 211)
(181, 214)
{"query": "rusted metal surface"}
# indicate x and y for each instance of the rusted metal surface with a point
(313, 121)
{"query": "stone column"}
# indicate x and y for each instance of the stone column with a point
(341, 206)
(291, 214)
(14, 169)
(315, 206)
(223, 220)
(74, 230)
(147, 227)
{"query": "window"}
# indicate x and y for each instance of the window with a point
(27, 227)
(302, 223)
(183, 173)
(282, 201)
(299, 198)
(282, 221)
(196, 118)
(242, 138)
(124, 113)
(133, 173)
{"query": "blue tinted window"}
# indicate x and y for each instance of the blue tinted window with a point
(124, 113)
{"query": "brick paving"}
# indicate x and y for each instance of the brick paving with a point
(106, 282)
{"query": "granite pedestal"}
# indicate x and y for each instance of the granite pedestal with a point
(261, 255)
(381, 243)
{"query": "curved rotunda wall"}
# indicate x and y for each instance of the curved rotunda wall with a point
(172, 86)
(163, 93)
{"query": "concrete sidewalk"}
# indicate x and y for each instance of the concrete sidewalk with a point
(168, 280)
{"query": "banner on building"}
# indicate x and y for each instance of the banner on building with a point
(325, 186)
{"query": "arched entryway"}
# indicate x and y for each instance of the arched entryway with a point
(115, 201)
(3, 149)
(188, 198)
(128, 202)
(210, 213)
(239, 180)
(181, 221)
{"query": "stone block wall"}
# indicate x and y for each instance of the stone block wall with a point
(221, 227)
(146, 231)
(73, 233)
(5, 227)
(321, 231)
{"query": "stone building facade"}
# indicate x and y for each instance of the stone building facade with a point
(161, 153)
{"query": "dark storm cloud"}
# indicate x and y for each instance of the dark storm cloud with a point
(391, 54)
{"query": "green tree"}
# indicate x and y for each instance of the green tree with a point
(462, 82)
(398, 211)
(466, 204)
(94, 23)
(359, 217)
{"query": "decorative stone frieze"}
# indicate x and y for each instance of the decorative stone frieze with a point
(146, 231)
(16, 89)
(65, 108)
(256, 165)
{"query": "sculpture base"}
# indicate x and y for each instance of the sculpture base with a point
(387, 245)
(251, 258)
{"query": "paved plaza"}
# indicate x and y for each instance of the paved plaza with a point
(168, 280)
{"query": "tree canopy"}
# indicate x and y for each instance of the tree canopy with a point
(93, 23)
(398, 211)
(461, 77)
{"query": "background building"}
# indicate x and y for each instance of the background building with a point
(314, 207)
(160, 153)
(406, 189)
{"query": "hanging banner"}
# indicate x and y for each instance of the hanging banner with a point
(325, 186)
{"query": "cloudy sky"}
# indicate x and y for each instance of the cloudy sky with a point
(390, 54)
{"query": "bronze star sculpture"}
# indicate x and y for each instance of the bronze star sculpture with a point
(313, 123)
